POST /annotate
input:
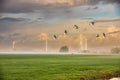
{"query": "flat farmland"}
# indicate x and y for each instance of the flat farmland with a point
(58, 67)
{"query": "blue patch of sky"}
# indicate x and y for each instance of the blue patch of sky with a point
(101, 12)
(107, 13)
(118, 10)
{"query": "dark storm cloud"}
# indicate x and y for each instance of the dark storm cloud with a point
(92, 8)
(10, 19)
(113, 1)
(17, 7)
(2, 2)
(15, 34)
(9, 24)
(93, 2)
(21, 6)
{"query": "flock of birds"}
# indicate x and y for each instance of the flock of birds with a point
(77, 27)
(98, 35)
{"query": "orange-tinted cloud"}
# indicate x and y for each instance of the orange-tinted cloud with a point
(43, 36)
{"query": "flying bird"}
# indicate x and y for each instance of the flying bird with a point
(65, 32)
(55, 36)
(92, 23)
(76, 27)
(104, 35)
(97, 35)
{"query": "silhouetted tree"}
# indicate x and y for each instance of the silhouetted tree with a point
(64, 49)
(115, 50)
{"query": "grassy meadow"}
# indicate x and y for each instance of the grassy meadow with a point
(59, 67)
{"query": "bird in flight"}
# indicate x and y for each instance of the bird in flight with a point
(65, 32)
(92, 23)
(104, 35)
(55, 36)
(97, 35)
(76, 27)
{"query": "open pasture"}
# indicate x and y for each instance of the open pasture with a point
(58, 67)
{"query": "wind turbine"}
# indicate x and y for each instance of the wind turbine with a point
(44, 37)
(46, 42)
(13, 45)
(86, 44)
(81, 44)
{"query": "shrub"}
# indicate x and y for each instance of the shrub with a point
(115, 50)
(64, 49)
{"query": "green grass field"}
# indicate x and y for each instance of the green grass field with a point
(59, 67)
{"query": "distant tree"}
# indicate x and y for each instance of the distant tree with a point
(115, 50)
(64, 49)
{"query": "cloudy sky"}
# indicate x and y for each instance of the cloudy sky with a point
(24, 21)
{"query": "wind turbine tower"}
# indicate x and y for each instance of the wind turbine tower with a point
(81, 45)
(13, 45)
(86, 44)
(46, 45)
